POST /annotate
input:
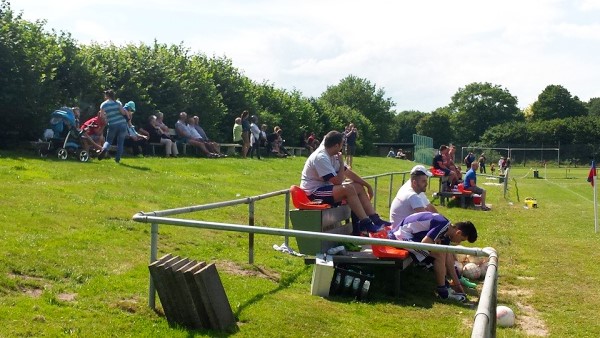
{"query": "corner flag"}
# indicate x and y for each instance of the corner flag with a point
(592, 174)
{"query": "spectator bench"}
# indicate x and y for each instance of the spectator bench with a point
(336, 220)
(465, 196)
(230, 147)
(296, 151)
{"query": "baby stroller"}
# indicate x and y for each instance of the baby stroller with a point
(63, 137)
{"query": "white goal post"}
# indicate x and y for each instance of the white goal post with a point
(511, 152)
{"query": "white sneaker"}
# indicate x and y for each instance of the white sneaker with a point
(453, 295)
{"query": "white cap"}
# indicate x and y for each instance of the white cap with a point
(420, 168)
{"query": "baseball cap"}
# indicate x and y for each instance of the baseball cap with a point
(130, 106)
(420, 168)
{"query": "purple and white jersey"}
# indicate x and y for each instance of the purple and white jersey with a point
(417, 226)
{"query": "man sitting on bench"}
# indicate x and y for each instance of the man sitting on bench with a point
(411, 196)
(433, 228)
(470, 184)
(323, 178)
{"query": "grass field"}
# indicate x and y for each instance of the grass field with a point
(74, 263)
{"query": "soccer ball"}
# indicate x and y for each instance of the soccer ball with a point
(505, 317)
(483, 267)
(476, 259)
(471, 271)
(458, 265)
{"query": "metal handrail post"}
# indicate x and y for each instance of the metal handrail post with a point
(375, 195)
(251, 235)
(153, 257)
(287, 218)
(390, 191)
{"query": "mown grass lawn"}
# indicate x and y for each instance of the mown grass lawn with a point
(73, 262)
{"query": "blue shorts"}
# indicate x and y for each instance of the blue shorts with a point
(324, 193)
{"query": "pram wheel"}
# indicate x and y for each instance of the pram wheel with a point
(62, 153)
(84, 156)
(43, 153)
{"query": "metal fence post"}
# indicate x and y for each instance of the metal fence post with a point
(251, 235)
(153, 253)
(287, 217)
(375, 195)
(391, 188)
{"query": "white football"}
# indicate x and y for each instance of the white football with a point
(483, 267)
(458, 265)
(471, 271)
(476, 259)
(505, 317)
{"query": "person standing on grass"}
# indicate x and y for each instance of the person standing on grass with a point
(470, 184)
(323, 178)
(254, 137)
(117, 119)
(470, 158)
(482, 160)
(433, 228)
(351, 137)
(411, 196)
(245, 133)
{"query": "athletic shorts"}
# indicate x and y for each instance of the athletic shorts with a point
(324, 193)
(475, 190)
(445, 170)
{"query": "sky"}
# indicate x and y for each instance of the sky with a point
(419, 53)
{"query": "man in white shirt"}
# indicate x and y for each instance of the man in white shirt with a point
(323, 178)
(411, 196)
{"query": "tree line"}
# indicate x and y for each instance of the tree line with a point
(42, 70)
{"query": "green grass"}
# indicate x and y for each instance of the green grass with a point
(73, 262)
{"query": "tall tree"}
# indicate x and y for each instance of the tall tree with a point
(480, 106)
(404, 125)
(556, 102)
(362, 96)
(436, 125)
(593, 106)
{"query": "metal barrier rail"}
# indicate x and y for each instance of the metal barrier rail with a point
(485, 318)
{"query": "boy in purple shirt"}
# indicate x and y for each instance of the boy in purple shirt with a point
(433, 228)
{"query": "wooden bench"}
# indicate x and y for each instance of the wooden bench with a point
(336, 220)
(230, 148)
(153, 145)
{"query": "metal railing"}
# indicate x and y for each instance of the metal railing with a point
(484, 322)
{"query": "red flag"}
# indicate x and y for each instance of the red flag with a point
(592, 173)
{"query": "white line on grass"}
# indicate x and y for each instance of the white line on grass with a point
(560, 186)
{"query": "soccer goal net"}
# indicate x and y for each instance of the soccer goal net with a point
(532, 157)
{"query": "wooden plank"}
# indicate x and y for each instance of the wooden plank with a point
(214, 298)
(186, 306)
(157, 271)
(196, 297)
(175, 291)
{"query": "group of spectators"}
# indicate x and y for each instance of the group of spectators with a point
(399, 154)
(327, 177)
(251, 137)
(444, 162)
(116, 118)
